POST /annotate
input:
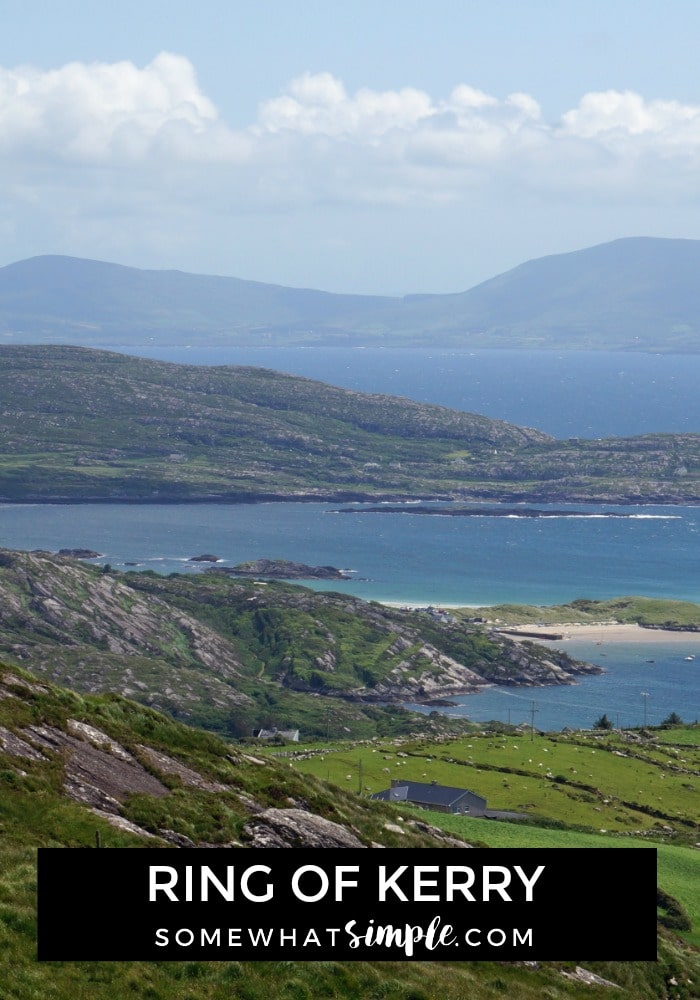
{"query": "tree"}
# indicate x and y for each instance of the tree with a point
(672, 720)
(603, 723)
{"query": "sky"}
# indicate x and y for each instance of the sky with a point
(377, 148)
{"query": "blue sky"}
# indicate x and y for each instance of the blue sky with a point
(361, 147)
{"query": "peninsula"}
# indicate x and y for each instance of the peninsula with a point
(83, 425)
(230, 654)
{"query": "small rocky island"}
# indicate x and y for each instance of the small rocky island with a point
(284, 569)
(79, 553)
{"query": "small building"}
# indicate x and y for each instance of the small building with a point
(290, 735)
(432, 795)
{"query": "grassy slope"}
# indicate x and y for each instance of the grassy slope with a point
(617, 783)
(80, 424)
(34, 812)
(577, 789)
(626, 610)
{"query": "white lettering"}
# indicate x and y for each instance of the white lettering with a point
(342, 883)
(529, 882)
(206, 876)
(404, 938)
(163, 879)
(497, 937)
(155, 886)
(385, 884)
(493, 884)
(260, 936)
(248, 893)
(453, 886)
(311, 938)
(297, 890)
(420, 882)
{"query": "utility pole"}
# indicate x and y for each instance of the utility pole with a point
(645, 695)
(359, 778)
(533, 709)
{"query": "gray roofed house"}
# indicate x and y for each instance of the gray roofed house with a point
(431, 795)
(292, 735)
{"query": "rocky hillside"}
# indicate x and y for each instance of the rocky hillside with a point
(140, 774)
(233, 654)
(80, 424)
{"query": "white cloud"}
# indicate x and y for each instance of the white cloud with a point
(102, 112)
(98, 155)
(158, 117)
(627, 113)
(319, 105)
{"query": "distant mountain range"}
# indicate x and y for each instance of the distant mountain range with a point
(632, 294)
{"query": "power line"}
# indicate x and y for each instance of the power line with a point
(533, 710)
(645, 695)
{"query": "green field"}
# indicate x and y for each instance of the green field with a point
(576, 790)
(613, 783)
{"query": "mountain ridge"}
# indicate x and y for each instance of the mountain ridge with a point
(634, 293)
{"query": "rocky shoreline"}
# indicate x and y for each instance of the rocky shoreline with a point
(497, 495)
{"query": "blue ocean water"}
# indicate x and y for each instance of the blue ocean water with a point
(643, 684)
(404, 557)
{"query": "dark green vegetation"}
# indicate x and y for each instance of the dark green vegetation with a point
(173, 784)
(231, 655)
(632, 294)
(650, 612)
(78, 425)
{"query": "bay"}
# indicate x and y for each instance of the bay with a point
(644, 682)
(401, 557)
(418, 559)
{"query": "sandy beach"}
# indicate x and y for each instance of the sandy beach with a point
(598, 632)
(613, 632)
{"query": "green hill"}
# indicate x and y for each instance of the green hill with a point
(233, 655)
(81, 424)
